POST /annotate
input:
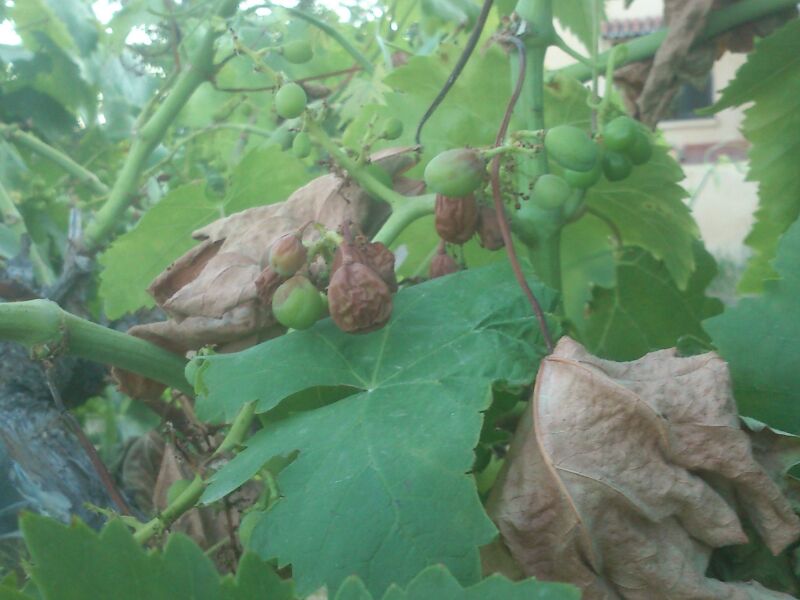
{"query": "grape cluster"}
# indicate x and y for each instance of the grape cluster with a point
(358, 277)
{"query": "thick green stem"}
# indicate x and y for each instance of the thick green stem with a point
(719, 21)
(188, 499)
(358, 172)
(403, 215)
(239, 429)
(335, 35)
(40, 323)
(546, 257)
(14, 221)
(184, 502)
(151, 134)
(62, 160)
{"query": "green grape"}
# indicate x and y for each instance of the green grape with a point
(297, 303)
(550, 192)
(301, 146)
(620, 134)
(392, 129)
(571, 147)
(642, 149)
(616, 166)
(456, 172)
(297, 52)
(290, 101)
(584, 179)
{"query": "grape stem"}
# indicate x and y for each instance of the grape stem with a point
(42, 323)
(16, 223)
(188, 499)
(333, 33)
(405, 209)
(498, 199)
(403, 215)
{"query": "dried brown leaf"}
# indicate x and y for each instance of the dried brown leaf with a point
(612, 479)
(210, 293)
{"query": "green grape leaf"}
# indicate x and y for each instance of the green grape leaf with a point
(35, 20)
(9, 594)
(587, 260)
(648, 210)
(758, 337)
(75, 563)
(770, 79)
(437, 582)
(264, 176)
(380, 487)
(255, 577)
(464, 117)
(576, 15)
(646, 311)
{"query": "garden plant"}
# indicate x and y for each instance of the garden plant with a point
(358, 300)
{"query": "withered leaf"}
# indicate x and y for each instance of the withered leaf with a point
(622, 477)
(210, 292)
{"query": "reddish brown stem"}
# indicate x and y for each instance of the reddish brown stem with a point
(88, 447)
(497, 195)
(474, 37)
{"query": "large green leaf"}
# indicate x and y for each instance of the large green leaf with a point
(264, 176)
(75, 563)
(648, 210)
(758, 337)
(645, 310)
(770, 79)
(437, 583)
(576, 15)
(380, 487)
(464, 118)
(587, 260)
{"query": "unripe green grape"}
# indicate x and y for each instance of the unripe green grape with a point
(301, 146)
(297, 303)
(297, 52)
(392, 129)
(571, 147)
(616, 166)
(641, 150)
(455, 173)
(290, 101)
(584, 179)
(620, 134)
(550, 192)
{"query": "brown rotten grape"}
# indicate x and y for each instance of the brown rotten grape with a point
(373, 254)
(359, 300)
(266, 284)
(381, 259)
(489, 234)
(456, 218)
(287, 255)
(442, 264)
